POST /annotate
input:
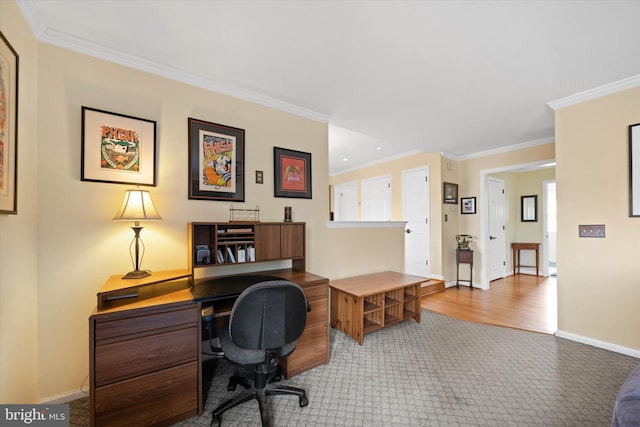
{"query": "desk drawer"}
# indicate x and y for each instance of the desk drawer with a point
(319, 311)
(152, 399)
(112, 329)
(123, 359)
(311, 350)
(317, 291)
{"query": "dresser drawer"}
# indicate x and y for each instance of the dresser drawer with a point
(132, 325)
(123, 359)
(152, 399)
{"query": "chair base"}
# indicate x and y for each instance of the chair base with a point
(259, 394)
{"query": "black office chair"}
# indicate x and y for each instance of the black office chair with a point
(266, 320)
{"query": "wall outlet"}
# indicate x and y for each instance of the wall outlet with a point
(591, 230)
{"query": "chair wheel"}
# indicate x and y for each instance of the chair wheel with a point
(303, 401)
(216, 421)
(231, 386)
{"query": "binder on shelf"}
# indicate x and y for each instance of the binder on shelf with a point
(220, 257)
(241, 255)
(231, 257)
(251, 253)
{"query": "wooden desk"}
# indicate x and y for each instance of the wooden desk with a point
(363, 304)
(517, 247)
(146, 351)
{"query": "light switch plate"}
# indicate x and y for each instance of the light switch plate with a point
(591, 230)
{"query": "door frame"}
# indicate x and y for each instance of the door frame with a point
(484, 211)
(545, 226)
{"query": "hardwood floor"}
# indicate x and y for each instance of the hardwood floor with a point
(520, 301)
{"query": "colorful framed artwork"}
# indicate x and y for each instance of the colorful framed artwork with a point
(467, 205)
(292, 173)
(118, 149)
(8, 127)
(216, 161)
(450, 193)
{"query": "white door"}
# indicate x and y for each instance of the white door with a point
(417, 242)
(376, 199)
(549, 228)
(345, 201)
(496, 228)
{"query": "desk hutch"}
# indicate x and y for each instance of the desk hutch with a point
(145, 334)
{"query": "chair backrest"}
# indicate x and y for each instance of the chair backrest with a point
(268, 315)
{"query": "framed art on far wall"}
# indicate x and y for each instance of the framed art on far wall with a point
(450, 193)
(117, 148)
(8, 127)
(292, 173)
(467, 205)
(216, 161)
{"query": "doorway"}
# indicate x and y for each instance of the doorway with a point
(415, 207)
(549, 228)
(345, 201)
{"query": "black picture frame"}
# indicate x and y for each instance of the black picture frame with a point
(216, 161)
(117, 148)
(292, 173)
(529, 208)
(634, 170)
(467, 205)
(9, 61)
(450, 193)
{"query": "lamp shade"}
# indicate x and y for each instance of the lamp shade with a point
(137, 206)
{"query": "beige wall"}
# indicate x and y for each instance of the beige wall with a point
(18, 234)
(598, 279)
(395, 168)
(64, 226)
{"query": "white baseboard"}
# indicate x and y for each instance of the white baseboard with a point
(63, 397)
(597, 343)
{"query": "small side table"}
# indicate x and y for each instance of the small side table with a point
(464, 256)
(517, 247)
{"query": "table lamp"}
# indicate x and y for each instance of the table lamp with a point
(137, 206)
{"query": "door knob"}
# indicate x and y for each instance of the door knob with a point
(408, 231)
(492, 238)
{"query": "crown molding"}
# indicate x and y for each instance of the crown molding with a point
(597, 92)
(376, 162)
(529, 144)
(85, 47)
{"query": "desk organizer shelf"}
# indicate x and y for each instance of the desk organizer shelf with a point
(234, 243)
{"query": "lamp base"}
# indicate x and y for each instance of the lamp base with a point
(136, 274)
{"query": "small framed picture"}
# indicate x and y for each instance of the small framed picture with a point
(467, 205)
(292, 173)
(216, 161)
(450, 193)
(118, 149)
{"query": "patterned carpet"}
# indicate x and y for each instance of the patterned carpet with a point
(441, 372)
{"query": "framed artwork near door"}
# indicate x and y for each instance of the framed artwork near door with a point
(467, 205)
(450, 193)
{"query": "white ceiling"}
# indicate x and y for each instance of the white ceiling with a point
(458, 77)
